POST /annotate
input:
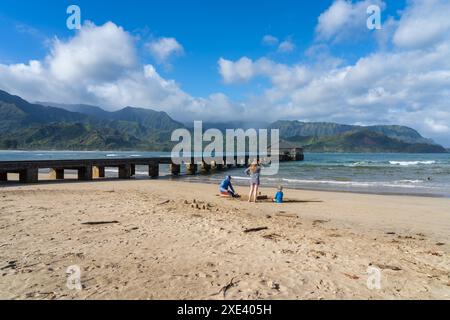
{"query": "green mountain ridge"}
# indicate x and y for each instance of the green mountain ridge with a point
(325, 129)
(361, 141)
(51, 126)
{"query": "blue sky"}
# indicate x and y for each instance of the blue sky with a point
(207, 29)
(208, 59)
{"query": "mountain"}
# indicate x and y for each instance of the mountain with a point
(24, 125)
(362, 141)
(51, 126)
(78, 108)
(325, 129)
(14, 110)
(144, 117)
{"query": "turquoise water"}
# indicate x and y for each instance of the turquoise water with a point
(422, 174)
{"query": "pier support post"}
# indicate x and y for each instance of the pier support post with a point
(3, 176)
(133, 170)
(191, 169)
(125, 171)
(213, 166)
(153, 170)
(205, 168)
(57, 174)
(175, 169)
(29, 175)
(85, 173)
(98, 172)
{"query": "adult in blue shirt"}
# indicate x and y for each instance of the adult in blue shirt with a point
(226, 188)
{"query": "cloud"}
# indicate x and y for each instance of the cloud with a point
(239, 71)
(423, 23)
(270, 40)
(286, 46)
(344, 20)
(407, 85)
(100, 66)
(406, 82)
(163, 49)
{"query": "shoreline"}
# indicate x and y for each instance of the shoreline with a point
(71, 178)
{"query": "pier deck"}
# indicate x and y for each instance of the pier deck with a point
(89, 169)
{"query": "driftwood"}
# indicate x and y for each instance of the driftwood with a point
(385, 266)
(227, 287)
(95, 223)
(351, 276)
(286, 215)
(255, 229)
(164, 202)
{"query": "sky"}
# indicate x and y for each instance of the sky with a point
(237, 60)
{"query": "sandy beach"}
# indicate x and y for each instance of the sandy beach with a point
(161, 239)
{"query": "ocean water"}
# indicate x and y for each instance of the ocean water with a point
(419, 174)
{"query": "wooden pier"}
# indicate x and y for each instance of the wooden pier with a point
(90, 169)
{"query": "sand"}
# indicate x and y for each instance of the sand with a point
(179, 240)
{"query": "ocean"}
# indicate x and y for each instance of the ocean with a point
(417, 174)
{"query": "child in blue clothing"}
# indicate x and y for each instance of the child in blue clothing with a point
(226, 188)
(279, 195)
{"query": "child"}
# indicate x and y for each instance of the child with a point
(279, 195)
(226, 188)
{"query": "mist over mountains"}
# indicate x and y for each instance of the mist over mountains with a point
(52, 126)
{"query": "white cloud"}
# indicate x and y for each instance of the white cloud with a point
(410, 86)
(239, 71)
(436, 126)
(424, 23)
(344, 20)
(407, 83)
(96, 53)
(286, 46)
(99, 66)
(163, 49)
(270, 40)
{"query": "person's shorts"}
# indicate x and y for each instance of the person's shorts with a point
(225, 193)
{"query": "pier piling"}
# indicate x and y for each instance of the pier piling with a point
(29, 175)
(57, 174)
(98, 172)
(125, 171)
(175, 169)
(153, 170)
(191, 169)
(85, 173)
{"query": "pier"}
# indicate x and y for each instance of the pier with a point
(90, 169)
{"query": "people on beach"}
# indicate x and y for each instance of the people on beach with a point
(254, 171)
(226, 188)
(279, 195)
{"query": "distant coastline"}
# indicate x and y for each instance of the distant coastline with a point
(50, 126)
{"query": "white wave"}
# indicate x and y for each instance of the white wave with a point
(410, 184)
(411, 163)
(240, 178)
(409, 181)
(112, 155)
